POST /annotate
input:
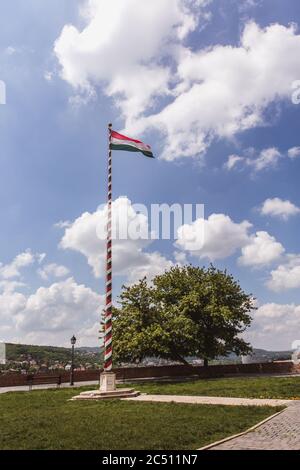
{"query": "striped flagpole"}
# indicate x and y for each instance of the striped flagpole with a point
(108, 308)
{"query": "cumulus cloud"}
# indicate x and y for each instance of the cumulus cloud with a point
(219, 237)
(213, 92)
(51, 314)
(261, 250)
(13, 269)
(294, 152)
(286, 276)
(86, 235)
(266, 159)
(225, 90)
(107, 51)
(11, 303)
(62, 224)
(275, 326)
(53, 270)
(58, 307)
(233, 161)
(10, 286)
(245, 4)
(277, 207)
(222, 237)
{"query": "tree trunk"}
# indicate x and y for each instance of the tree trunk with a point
(205, 363)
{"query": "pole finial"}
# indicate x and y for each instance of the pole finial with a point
(110, 125)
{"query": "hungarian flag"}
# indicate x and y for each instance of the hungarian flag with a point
(121, 142)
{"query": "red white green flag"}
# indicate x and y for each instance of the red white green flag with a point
(121, 142)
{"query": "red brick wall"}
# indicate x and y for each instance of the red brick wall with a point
(128, 373)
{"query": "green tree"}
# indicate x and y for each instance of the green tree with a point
(187, 311)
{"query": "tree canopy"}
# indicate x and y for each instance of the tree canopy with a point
(187, 311)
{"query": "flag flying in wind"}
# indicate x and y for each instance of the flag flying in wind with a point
(121, 142)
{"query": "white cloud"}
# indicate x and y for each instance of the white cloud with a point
(277, 207)
(232, 161)
(10, 50)
(294, 152)
(85, 235)
(275, 326)
(267, 158)
(222, 237)
(225, 90)
(214, 92)
(61, 306)
(10, 304)
(13, 269)
(48, 76)
(261, 250)
(149, 265)
(180, 257)
(125, 60)
(53, 270)
(286, 276)
(10, 286)
(245, 4)
(51, 314)
(258, 161)
(62, 224)
(87, 336)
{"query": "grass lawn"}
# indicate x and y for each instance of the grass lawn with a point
(248, 387)
(46, 420)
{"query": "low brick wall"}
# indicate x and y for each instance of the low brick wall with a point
(135, 373)
(211, 371)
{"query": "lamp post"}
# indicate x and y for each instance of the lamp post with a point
(73, 341)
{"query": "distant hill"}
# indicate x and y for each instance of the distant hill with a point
(51, 355)
(89, 349)
(260, 353)
(274, 355)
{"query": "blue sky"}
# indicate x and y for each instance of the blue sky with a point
(201, 81)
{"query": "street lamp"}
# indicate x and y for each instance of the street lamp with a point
(73, 341)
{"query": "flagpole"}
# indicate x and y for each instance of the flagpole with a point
(108, 308)
(108, 377)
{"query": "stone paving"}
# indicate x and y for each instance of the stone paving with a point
(279, 433)
(197, 400)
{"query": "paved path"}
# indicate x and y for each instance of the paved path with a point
(279, 433)
(25, 388)
(196, 400)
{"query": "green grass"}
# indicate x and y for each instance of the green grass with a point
(46, 420)
(248, 387)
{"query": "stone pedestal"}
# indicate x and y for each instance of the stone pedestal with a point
(107, 382)
(107, 390)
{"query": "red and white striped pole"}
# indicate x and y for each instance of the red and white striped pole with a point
(108, 308)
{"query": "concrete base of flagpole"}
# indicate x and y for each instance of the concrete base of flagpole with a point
(107, 390)
(107, 382)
